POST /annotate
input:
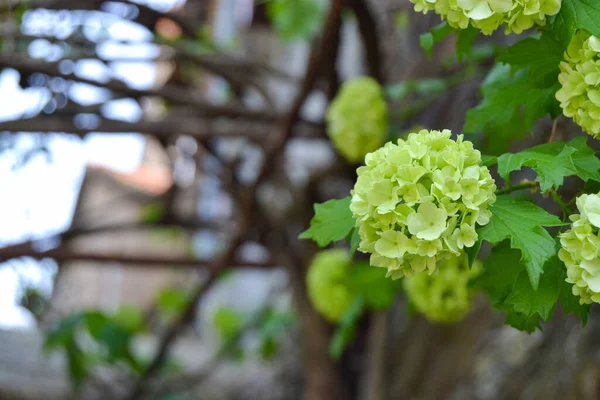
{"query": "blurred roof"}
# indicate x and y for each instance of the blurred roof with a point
(153, 175)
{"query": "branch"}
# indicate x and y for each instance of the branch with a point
(200, 129)
(137, 226)
(377, 367)
(521, 186)
(287, 124)
(315, 63)
(331, 73)
(217, 63)
(368, 30)
(140, 261)
(172, 93)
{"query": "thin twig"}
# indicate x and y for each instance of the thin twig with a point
(141, 261)
(198, 128)
(521, 186)
(174, 94)
(315, 62)
(552, 137)
(217, 63)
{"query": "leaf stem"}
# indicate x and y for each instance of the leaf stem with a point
(552, 137)
(520, 186)
(564, 206)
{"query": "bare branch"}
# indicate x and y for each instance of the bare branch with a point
(368, 30)
(172, 93)
(200, 129)
(217, 63)
(315, 63)
(138, 226)
(140, 261)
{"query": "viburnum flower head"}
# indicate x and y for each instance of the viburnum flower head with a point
(444, 296)
(326, 281)
(488, 15)
(357, 119)
(579, 77)
(580, 249)
(418, 201)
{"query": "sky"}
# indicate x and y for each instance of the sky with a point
(40, 196)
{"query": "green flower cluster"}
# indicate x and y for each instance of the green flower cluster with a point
(357, 120)
(579, 76)
(488, 15)
(581, 249)
(418, 201)
(326, 281)
(444, 296)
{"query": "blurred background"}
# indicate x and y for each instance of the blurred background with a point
(158, 159)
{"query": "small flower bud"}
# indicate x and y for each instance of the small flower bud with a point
(357, 120)
(444, 296)
(326, 281)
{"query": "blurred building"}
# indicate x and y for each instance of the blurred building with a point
(113, 200)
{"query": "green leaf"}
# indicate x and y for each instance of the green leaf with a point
(63, 332)
(472, 252)
(501, 270)
(488, 161)
(437, 34)
(424, 87)
(171, 301)
(177, 396)
(523, 322)
(570, 303)
(295, 19)
(114, 338)
(227, 322)
(553, 162)
(370, 282)
(528, 301)
(521, 222)
(112, 343)
(541, 57)
(465, 40)
(509, 289)
(268, 348)
(76, 364)
(333, 221)
(585, 162)
(152, 212)
(511, 104)
(346, 330)
(272, 325)
(129, 318)
(577, 14)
